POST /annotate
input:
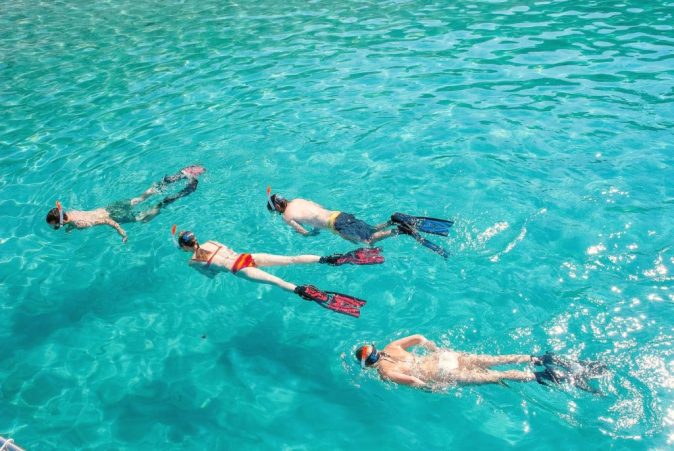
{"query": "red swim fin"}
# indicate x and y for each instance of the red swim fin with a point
(362, 256)
(311, 293)
(345, 304)
(337, 302)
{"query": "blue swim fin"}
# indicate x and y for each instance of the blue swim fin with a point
(424, 224)
(405, 229)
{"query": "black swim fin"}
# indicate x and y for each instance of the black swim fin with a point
(424, 224)
(188, 189)
(548, 376)
(576, 372)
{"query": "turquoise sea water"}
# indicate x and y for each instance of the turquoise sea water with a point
(543, 128)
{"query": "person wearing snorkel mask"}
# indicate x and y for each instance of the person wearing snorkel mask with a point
(442, 367)
(123, 211)
(212, 257)
(302, 213)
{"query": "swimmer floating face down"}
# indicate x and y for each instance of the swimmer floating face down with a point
(367, 355)
(56, 217)
(276, 202)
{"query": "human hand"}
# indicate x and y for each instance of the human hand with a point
(124, 238)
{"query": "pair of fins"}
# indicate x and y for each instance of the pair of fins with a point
(337, 302)
(412, 225)
(191, 173)
(564, 370)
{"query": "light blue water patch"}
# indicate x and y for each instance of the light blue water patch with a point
(544, 129)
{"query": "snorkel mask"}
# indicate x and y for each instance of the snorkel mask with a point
(372, 357)
(59, 207)
(273, 201)
(187, 239)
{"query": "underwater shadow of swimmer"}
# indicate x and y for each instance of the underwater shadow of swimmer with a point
(68, 306)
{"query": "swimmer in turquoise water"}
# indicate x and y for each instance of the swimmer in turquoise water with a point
(212, 257)
(123, 211)
(441, 367)
(301, 213)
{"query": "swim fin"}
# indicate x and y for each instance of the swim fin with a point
(577, 372)
(424, 224)
(362, 256)
(337, 302)
(193, 171)
(188, 189)
(189, 172)
(407, 230)
(548, 376)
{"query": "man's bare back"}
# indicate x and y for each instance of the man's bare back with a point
(77, 219)
(301, 212)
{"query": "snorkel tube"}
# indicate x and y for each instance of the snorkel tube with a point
(173, 236)
(269, 201)
(60, 209)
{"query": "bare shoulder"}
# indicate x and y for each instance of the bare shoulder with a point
(303, 204)
(88, 218)
(210, 244)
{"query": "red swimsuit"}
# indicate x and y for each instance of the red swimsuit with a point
(243, 261)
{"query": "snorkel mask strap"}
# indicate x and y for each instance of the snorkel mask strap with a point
(60, 209)
(174, 238)
(269, 201)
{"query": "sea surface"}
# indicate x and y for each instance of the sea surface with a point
(543, 128)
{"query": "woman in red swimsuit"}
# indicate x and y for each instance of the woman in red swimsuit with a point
(212, 255)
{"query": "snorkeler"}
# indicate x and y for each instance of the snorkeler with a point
(441, 367)
(211, 257)
(299, 213)
(123, 211)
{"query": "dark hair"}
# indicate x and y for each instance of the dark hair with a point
(187, 238)
(54, 216)
(280, 203)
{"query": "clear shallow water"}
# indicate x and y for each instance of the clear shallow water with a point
(543, 128)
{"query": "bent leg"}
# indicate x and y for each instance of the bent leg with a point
(382, 226)
(382, 234)
(150, 213)
(487, 361)
(151, 191)
(259, 276)
(283, 260)
(189, 188)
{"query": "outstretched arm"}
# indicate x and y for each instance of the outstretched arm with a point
(295, 225)
(413, 340)
(117, 227)
(404, 379)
